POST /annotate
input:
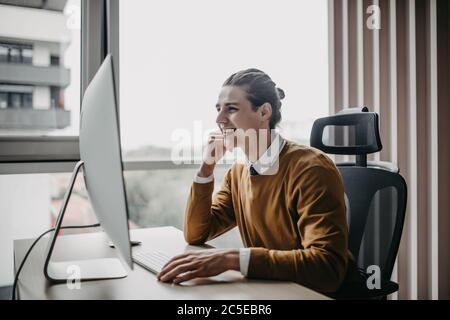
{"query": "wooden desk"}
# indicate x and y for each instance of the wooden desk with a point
(140, 283)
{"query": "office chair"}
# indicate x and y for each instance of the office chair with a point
(375, 195)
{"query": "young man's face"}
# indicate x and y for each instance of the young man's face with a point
(235, 112)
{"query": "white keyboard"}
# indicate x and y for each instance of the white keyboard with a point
(153, 261)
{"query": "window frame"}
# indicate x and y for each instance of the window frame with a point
(57, 154)
(68, 166)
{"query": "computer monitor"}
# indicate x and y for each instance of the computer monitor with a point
(101, 162)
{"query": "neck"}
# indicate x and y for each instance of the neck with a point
(263, 142)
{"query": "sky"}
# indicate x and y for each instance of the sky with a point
(175, 55)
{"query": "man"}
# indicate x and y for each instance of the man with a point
(287, 200)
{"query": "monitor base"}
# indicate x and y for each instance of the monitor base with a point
(92, 269)
(82, 270)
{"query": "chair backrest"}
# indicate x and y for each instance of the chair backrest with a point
(376, 204)
(376, 194)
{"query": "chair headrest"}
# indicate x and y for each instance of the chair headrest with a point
(352, 131)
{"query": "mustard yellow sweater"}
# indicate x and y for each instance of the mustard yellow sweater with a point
(293, 221)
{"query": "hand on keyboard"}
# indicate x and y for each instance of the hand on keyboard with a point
(199, 263)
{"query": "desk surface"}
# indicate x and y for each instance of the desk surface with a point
(140, 283)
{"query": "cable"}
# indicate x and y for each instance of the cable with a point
(16, 278)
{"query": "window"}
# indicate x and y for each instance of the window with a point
(16, 96)
(57, 100)
(27, 55)
(15, 100)
(40, 77)
(54, 60)
(27, 100)
(16, 52)
(15, 55)
(4, 52)
(189, 49)
(3, 100)
(46, 59)
(158, 198)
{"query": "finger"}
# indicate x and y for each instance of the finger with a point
(178, 256)
(184, 255)
(187, 276)
(178, 270)
(172, 264)
(180, 259)
(174, 259)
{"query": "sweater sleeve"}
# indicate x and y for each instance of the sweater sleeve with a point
(208, 217)
(321, 261)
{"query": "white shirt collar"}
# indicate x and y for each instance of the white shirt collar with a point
(267, 164)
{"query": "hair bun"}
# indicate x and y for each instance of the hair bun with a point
(280, 93)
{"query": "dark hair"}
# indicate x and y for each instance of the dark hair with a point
(260, 89)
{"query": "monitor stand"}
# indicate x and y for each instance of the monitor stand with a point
(92, 269)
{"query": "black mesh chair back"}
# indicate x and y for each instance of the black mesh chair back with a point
(375, 191)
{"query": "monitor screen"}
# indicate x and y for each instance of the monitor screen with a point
(101, 153)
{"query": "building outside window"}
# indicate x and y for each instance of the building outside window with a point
(45, 57)
(16, 52)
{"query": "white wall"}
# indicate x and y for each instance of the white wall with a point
(33, 24)
(24, 213)
(41, 98)
(41, 57)
(46, 30)
(41, 54)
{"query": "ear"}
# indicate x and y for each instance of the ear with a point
(265, 111)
